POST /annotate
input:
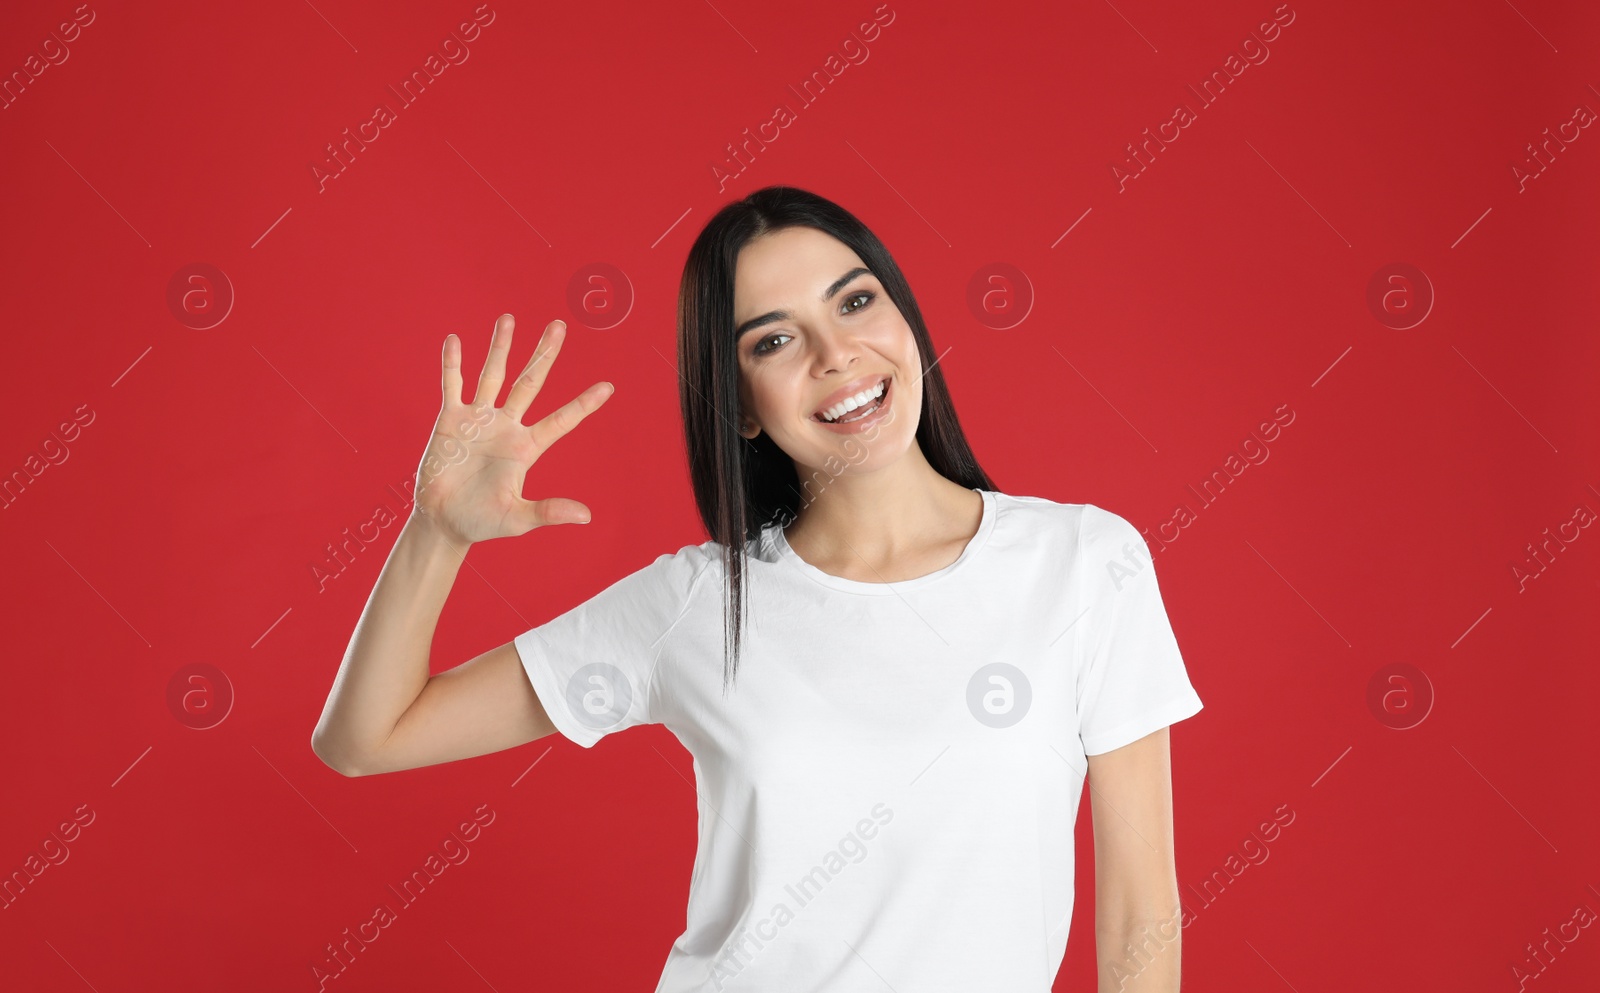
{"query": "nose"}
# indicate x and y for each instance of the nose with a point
(836, 349)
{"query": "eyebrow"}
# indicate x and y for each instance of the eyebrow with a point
(772, 317)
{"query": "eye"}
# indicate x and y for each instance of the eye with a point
(865, 295)
(762, 351)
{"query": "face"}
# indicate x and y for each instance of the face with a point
(807, 332)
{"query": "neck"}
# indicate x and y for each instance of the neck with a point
(901, 506)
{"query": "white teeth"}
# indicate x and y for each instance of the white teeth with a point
(861, 399)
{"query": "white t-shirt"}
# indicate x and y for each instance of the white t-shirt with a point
(887, 794)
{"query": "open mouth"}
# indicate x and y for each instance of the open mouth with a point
(866, 409)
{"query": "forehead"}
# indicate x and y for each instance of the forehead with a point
(787, 269)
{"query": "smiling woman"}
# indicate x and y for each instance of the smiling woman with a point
(819, 313)
(951, 659)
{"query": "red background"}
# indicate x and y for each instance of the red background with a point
(1179, 312)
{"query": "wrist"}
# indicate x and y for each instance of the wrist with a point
(432, 532)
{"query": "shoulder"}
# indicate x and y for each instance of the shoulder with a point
(687, 566)
(1097, 547)
(1102, 528)
(1090, 525)
(666, 582)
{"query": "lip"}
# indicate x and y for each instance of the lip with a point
(849, 389)
(890, 390)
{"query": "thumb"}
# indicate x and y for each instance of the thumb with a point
(530, 514)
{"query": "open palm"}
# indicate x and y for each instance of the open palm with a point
(469, 483)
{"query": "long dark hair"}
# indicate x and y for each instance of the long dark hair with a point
(742, 486)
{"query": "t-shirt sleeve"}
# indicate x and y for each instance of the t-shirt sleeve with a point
(1132, 680)
(594, 667)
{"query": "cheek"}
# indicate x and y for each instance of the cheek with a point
(895, 328)
(762, 393)
(907, 347)
(780, 398)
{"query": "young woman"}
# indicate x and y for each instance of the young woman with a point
(917, 674)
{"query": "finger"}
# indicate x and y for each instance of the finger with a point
(569, 415)
(531, 381)
(450, 371)
(494, 367)
(530, 514)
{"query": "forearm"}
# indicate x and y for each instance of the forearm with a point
(1138, 955)
(385, 666)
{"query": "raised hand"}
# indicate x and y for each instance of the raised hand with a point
(469, 483)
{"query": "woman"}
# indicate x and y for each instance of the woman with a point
(918, 670)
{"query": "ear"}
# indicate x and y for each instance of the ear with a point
(748, 429)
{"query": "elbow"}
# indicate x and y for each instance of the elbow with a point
(332, 757)
(1122, 921)
(1129, 904)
